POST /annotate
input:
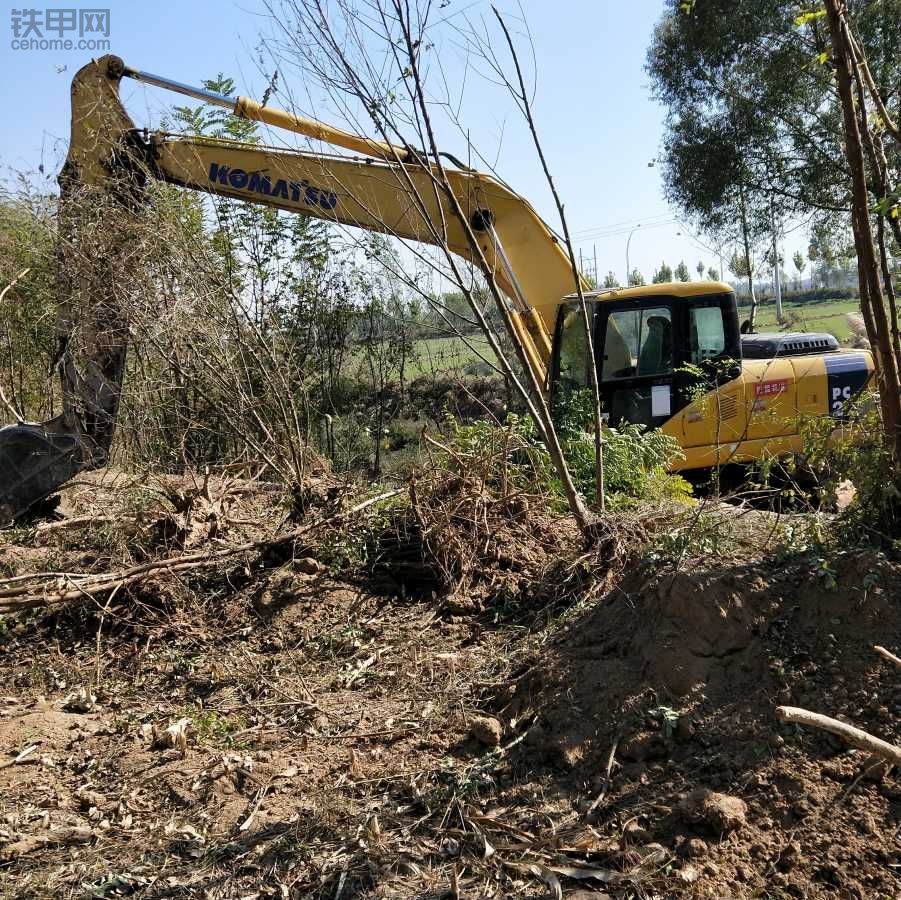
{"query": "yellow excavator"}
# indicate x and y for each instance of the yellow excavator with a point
(669, 356)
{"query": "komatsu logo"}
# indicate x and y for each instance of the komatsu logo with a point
(296, 191)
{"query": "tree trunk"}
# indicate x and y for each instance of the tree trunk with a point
(871, 299)
(747, 243)
(587, 319)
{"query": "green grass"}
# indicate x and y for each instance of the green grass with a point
(439, 355)
(826, 315)
(454, 355)
(442, 354)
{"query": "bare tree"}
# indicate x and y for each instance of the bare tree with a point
(522, 98)
(370, 55)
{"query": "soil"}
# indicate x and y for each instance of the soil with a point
(556, 727)
(681, 674)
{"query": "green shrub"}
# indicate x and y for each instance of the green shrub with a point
(512, 456)
(857, 453)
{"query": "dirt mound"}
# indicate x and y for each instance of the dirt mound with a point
(511, 714)
(675, 679)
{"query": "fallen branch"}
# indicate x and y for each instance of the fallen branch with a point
(24, 756)
(848, 733)
(76, 522)
(21, 597)
(610, 760)
(55, 836)
(887, 654)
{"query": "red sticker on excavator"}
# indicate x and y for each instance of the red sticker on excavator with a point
(771, 388)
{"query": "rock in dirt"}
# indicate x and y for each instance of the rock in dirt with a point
(696, 848)
(634, 833)
(685, 727)
(457, 605)
(486, 730)
(308, 566)
(644, 748)
(790, 856)
(653, 854)
(719, 812)
(688, 874)
(89, 798)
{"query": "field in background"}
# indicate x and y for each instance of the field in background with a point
(454, 355)
(828, 315)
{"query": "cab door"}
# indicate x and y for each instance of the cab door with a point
(710, 386)
(637, 362)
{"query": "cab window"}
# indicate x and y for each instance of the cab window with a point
(706, 333)
(573, 372)
(638, 342)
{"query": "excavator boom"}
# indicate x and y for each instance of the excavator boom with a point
(390, 189)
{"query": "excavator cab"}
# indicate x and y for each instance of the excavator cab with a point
(655, 346)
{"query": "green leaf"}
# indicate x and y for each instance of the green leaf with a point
(810, 16)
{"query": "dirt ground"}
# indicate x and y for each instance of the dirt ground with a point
(558, 727)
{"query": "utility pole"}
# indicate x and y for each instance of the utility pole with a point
(597, 276)
(747, 243)
(777, 280)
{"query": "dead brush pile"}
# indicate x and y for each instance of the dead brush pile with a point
(116, 531)
(459, 531)
(484, 524)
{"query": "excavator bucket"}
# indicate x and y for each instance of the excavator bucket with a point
(34, 462)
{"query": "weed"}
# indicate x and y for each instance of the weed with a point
(464, 784)
(355, 547)
(701, 535)
(668, 717)
(338, 642)
(852, 449)
(512, 456)
(797, 537)
(212, 727)
(826, 574)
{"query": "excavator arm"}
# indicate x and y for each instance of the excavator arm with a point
(391, 189)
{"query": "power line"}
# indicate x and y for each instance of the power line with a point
(615, 227)
(623, 231)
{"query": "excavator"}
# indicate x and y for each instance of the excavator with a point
(668, 356)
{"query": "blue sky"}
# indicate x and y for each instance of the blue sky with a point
(595, 115)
